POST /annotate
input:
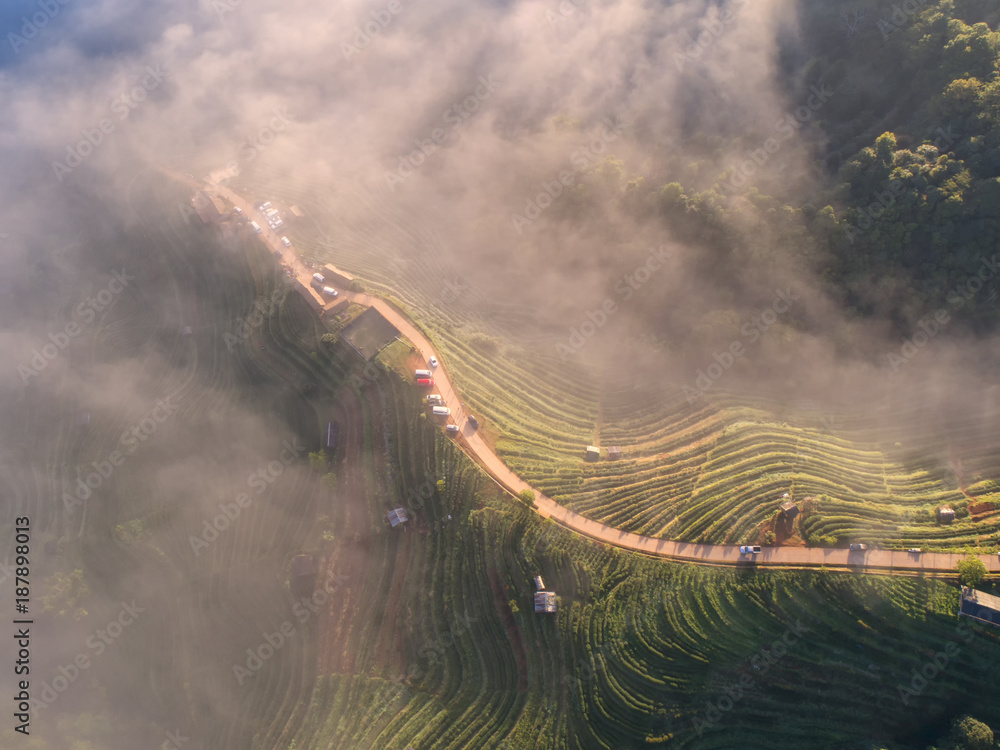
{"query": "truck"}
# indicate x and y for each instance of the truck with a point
(256, 227)
(441, 411)
(425, 382)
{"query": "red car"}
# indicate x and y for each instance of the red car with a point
(425, 381)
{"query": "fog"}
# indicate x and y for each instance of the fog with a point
(436, 129)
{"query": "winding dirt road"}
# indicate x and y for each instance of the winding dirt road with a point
(478, 450)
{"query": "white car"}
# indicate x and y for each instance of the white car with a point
(285, 242)
(750, 549)
(433, 362)
(237, 209)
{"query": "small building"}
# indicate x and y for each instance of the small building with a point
(334, 275)
(789, 509)
(539, 584)
(593, 453)
(980, 606)
(303, 565)
(615, 453)
(296, 211)
(307, 294)
(336, 308)
(332, 434)
(945, 514)
(545, 601)
(303, 581)
(397, 517)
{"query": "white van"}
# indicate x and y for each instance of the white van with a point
(285, 241)
(318, 278)
(422, 373)
(256, 226)
(329, 291)
(441, 411)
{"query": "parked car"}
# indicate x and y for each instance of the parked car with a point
(329, 291)
(749, 549)
(859, 547)
(286, 242)
(433, 361)
(473, 422)
(914, 549)
(237, 209)
(427, 382)
(452, 429)
(422, 373)
(435, 398)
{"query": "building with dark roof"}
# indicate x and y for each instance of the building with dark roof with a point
(980, 606)
(397, 517)
(789, 509)
(545, 601)
(303, 565)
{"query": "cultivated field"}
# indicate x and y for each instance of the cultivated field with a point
(714, 470)
(424, 635)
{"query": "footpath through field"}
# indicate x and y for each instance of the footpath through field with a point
(473, 445)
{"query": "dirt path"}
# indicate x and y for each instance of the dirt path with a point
(473, 444)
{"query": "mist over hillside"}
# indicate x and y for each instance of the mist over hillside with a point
(670, 196)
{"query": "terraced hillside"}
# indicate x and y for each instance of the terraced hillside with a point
(715, 470)
(420, 636)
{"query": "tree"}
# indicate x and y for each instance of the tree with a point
(971, 571)
(527, 497)
(769, 537)
(969, 734)
(317, 461)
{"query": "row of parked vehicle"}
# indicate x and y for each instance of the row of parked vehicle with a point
(425, 379)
